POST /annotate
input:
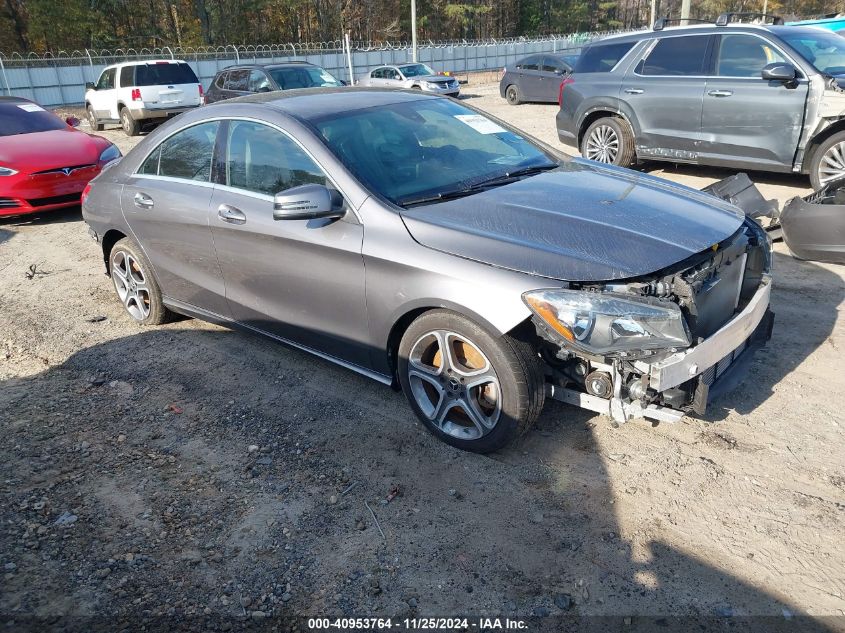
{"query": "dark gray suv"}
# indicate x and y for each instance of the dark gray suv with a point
(748, 96)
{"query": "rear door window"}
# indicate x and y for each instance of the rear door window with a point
(127, 77)
(164, 74)
(602, 58)
(187, 154)
(238, 80)
(552, 65)
(221, 80)
(258, 80)
(676, 56)
(531, 63)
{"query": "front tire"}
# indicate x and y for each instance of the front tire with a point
(471, 389)
(130, 126)
(512, 95)
(828, 161)
(92, 120)
(609, 140)
(135, 284)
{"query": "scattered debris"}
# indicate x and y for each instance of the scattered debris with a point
(66, 518)
(96, 319)
(373, 514)
(175, 408)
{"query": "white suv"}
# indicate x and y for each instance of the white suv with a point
(133, 92)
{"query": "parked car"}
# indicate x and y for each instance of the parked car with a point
(417, 76)
(141, 93)
(747, 96)
(45, 162)
(536, 78)
(430, 246)
(237, 81)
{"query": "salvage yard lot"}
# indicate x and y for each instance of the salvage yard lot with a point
(205, 477)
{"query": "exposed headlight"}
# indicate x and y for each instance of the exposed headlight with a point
(605, 323)
(7, 171)
(429, 85)
(109, 154)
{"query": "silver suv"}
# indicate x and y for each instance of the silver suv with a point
(749, 96)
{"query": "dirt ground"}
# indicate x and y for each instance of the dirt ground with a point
(187, 477)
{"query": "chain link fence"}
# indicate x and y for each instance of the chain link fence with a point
(59, 79)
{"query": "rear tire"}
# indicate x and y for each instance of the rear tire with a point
(128, 123)
(479, 395)
(136, 285)
(512, 95)
(609, 140)
(92, 120)
(828, 161)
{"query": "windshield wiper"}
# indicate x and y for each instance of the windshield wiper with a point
(438, 197)
(496, 181)
(512, 176)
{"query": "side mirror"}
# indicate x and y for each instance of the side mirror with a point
(89, 85)
(72, 121)
(264, 89)
(559, 71)
(778, 71)
(307, 202)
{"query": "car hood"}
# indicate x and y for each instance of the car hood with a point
(38, 151)
(581, 222)
(433, 78)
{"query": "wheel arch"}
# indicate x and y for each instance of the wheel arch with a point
(593, 115)
(816, 141)
(110, 238)
(409, 314)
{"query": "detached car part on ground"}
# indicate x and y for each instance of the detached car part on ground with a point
(812, 226)
(427, 245)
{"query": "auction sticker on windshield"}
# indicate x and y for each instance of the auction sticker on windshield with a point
(480, 123)
(30, 107)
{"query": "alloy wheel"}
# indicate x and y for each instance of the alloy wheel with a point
(131, 285)
(832, 165)
(602, 145)
(127, 124)
(512, 95)
(454, 384)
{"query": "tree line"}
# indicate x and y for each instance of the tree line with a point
(51, 25)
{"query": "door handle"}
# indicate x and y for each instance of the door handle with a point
(720, 93)
(231, 214)
(634, 91)
(143, 201)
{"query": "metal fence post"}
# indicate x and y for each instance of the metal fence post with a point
(5, 79)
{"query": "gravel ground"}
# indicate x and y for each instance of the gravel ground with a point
(186, 477)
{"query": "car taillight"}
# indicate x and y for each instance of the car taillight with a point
(202, 95)
(565, 82)
(136, 94)
(85, 193)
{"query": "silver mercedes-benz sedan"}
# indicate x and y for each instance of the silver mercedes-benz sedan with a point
(434, 248)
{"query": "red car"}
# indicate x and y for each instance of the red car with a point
(45, 162)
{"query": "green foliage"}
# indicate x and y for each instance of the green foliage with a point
(41, 25)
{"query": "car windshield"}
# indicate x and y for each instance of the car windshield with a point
(411, 151)
(164, 73)
(25, 117)
(291, 77)
(416, 70)
(825, 51)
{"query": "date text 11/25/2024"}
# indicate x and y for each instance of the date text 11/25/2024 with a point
(429, 624)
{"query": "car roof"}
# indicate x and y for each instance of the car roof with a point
(14, 100)
(148, 61)
(293, 62)
(706, 29)
(309, 104)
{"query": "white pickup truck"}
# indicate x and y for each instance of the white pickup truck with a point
(133, 93)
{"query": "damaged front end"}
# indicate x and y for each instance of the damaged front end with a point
(659, 347)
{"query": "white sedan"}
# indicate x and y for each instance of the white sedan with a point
(412, 75)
